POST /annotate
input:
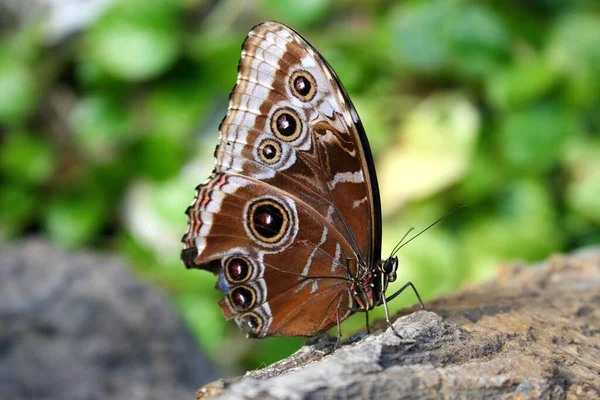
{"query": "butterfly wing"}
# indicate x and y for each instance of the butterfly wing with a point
(292, 206)
(329, 158)
(284, 277)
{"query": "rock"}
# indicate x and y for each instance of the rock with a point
(534, 332)
(81, 326)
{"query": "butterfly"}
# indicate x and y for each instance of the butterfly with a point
(290, 218)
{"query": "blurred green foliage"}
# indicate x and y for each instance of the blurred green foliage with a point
(491, 104)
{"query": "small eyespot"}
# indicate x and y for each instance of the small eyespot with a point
(251, 324)
(242, 298)
(268, 220)
(303, 85)
(269, 151)
(238, 269)
(286, 124)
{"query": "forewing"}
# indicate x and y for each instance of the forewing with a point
(292, 206)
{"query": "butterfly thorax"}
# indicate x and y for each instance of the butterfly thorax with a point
(368, 288)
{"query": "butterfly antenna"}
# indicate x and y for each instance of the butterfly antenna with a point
(399, 246)
(402, 240)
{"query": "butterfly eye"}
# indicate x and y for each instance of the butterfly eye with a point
(390, 265)
(238, 269)
(269, 151)
(303, 85)
(268, 221)
(242, 297)
(286, 125)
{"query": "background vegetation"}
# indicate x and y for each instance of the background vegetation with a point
(492, 104)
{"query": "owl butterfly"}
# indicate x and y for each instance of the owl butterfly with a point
(290, 218)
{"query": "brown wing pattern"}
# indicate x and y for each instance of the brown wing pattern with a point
(291, 200)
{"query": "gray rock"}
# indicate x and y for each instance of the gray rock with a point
(81, 326)
(532, 333)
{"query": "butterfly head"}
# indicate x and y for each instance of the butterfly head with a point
(389, 267)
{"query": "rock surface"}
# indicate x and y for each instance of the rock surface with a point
(532, 333)
(81, 326)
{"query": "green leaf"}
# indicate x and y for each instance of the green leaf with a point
(18, 89)
(434, 36)
(484, 178)
(159, 156)
(296, 12)
(273, 350)
(418, 41)
(531, 141)
(521, 83)
(177, 104)
(90, 75)
(575, 39)
(217, 54)
(478, 39)
(434, 150)
(583, 189)
(137, 39)
(101, 123)
(75, 219)
(431, 262)
(573, 49)
(522, 225)
(205, 318)
(27, 159)
(17, 209)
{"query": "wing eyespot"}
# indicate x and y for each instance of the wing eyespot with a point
(268, 221)
(303, 85)
(286, 124)
(251, 323)
(242, 298)
(238, 269)
(269, 151)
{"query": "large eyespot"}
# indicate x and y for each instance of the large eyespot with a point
(251, 324)
(286, 124)
(238, 269)
(267, 220)
(242, 298)
(303, 85)
(269, 151)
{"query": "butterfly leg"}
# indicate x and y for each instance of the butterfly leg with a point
(385, 307)
(387, 318)
(339, 327)
(358, 310)
(406, 285)
(343, 307)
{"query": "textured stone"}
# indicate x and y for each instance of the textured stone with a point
(533, 332)
(81, 326)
